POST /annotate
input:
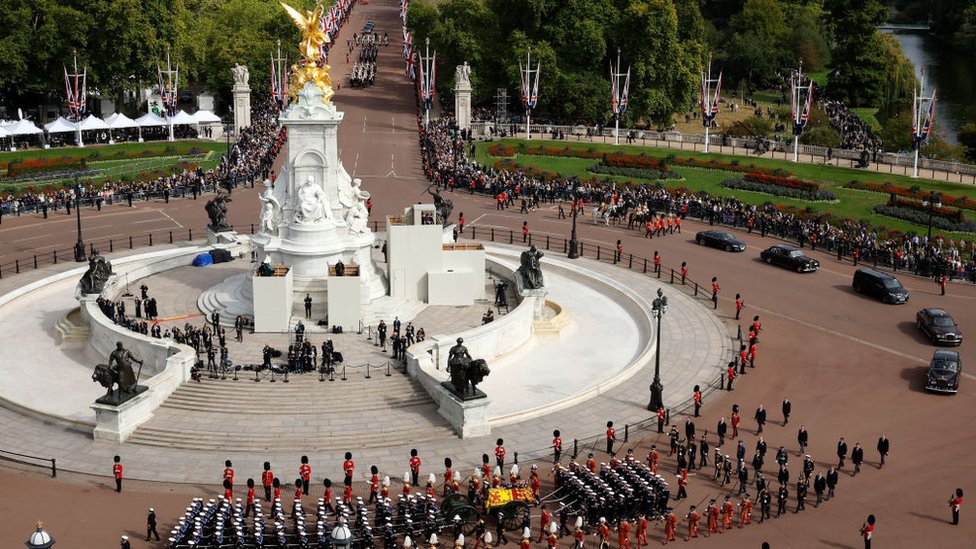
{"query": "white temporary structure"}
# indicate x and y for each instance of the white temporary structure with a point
(206, 117)
(119, 121)
(92, 123)
(24, 127)
(182, 119)
(61, 125)
(149, 120)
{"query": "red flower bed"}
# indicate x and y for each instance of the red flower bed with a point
(19, 168)
(787, 182)
(501, 150)
(955, 215)
(887, 187)
(529, 171)
(639, 161)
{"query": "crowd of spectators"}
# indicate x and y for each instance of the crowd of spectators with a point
(854, 133)
(249, 158)
(447, 163)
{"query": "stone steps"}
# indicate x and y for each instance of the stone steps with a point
(71, 328)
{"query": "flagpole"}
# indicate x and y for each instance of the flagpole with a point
(797, 112)
(528, 92)
(169, 85)
(616, 92)
(917, 113)
(423, 81)
(77, 97)
(707, 97)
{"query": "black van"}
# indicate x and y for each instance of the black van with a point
(879, 285)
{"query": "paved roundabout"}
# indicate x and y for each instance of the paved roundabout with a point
(852, 367)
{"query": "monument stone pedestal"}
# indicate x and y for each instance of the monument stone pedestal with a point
(469, 418)
(242, 98)
(462, 97)
(220, 237)
(116, 422)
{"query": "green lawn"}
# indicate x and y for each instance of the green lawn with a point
(851, 203)
(105, 151)
(867, 114)
(114, 167)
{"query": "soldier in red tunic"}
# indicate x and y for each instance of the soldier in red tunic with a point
(745, 511)
(738, 305)
(327, 496)
(266, 477)
(692, 517)
(728, 509)
(348, 467)
(711, 512)
(534, 481)
(117, 473)
(414, 468)
(698, 400)
(544, 524)
(623, 534)
(603, 532)
(276, 484)
(653, 459)
(557, 446)
(641, 531)
(250, 498)
(500, 453)
(670, 526)
(305, 473)
(229, 472)
(578, 537)
(374, 484)
(611, 437)
(228, 491)
(448, 475)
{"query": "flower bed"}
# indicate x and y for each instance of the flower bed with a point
(778, 190)
(501, 150)
(640, 173)
(23, 168)
(937, 211)
(917, 193)
(786, 182)
(529, 171)
(567, 152)
(916, 216)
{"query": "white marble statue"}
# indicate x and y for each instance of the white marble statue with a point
(270, 210)
(356, 214)
(462, 75)
(313, 205)
(241, 74)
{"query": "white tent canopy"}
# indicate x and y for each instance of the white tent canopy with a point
(93, 123)
(61, 125)
(149, 119)
(181, 118)
(119, 121)
(24, 127)
(206, 117)
(4, 133)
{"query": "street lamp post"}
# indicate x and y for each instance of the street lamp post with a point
(80, 255)
(934, 201)
(658, 308)
(573, 243)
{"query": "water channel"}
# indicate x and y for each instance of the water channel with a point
(951, 72)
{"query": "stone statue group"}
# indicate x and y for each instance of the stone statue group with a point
(312, 207)
(465, 372)
(118, 372)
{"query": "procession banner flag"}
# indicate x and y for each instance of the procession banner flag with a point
(624, 95)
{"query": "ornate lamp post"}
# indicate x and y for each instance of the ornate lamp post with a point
(80, 255)
(934, 201)
(573, 243)
(658, 308)
(39, 539)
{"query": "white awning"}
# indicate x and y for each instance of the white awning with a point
(61, 125)
(182, 119)
(118, 121)
(150, 119)
(93, 123)
(24, 127)
(206, 117)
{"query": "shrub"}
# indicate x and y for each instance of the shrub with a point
(922, 218)
(914, 191)
(787, 182)
(639, 173)
(501, 150)
(778, 190)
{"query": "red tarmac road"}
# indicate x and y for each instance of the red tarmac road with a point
(852, 367)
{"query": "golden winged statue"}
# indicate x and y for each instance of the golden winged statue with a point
(312, 68)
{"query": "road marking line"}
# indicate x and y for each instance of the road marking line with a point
(34, 237)
(175, 222)
(364, 123)
(479, 218)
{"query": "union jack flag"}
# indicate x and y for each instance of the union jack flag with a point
(921, 134)
(530, 97)
(77, 94)
(709, 105)
(801, 114)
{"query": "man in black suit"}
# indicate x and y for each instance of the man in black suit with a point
(787, 408)
(841, 452)
(883, 447)
(760, 418)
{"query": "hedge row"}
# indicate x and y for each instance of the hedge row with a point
(778, 190)
(640, 173)
(922, 218)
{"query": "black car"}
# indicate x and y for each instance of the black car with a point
(944, 372)
(879, 285)
(790, 257)
(721, 240)
(938, 325)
